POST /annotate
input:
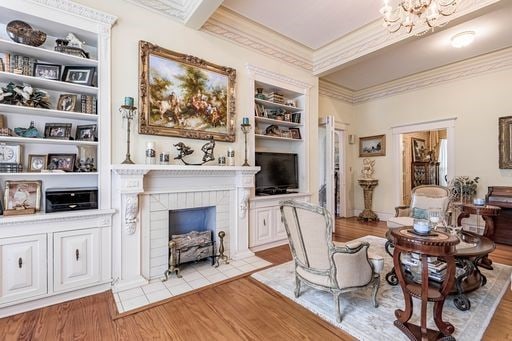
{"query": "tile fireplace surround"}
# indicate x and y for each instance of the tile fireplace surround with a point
(143, 196)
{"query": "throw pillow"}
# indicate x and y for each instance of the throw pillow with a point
(419, 213)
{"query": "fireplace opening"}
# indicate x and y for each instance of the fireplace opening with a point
(191, 237)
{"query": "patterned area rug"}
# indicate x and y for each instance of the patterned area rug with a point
(361, 320)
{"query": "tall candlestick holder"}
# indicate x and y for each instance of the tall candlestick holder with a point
(128, 112)
(246, 127)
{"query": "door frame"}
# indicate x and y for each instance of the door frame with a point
(447, 123)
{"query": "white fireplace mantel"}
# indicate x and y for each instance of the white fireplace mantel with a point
(132, 181)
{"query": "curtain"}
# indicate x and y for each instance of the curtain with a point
(443, 161)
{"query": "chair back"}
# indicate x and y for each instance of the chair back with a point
(430, 196)
(309, 231)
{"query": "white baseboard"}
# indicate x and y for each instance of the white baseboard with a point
(129, 284)
(269, 245)
(51, 300)
(382, 215)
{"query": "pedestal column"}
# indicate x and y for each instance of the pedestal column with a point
(368, 185)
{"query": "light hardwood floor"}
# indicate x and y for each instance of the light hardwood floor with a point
(239, 310)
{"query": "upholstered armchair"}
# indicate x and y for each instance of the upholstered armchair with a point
(422, 198)
(321, 263)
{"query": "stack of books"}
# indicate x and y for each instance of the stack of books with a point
(436, 267)
(88, 104)
(276, 98)
(18, 64)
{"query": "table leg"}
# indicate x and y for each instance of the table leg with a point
(461, 301)
(461, 216)
(486, 262)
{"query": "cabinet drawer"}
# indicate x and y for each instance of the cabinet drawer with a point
(76, 258)
(23, 268)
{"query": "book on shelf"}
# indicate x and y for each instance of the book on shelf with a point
(88, 104)
(18, 64)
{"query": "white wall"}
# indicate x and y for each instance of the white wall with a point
(136, 23)
(476, 102)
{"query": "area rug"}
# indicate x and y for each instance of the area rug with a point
(361, 320)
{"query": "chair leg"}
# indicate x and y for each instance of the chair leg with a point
(376, 285)
(297, 286)
(337, 295)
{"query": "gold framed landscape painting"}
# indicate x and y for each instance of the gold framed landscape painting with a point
(185, 96)
(372, 146)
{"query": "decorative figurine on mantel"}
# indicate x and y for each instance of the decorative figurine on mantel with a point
(184, 150)
(368, 183)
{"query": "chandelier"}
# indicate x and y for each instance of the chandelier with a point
(411, 13)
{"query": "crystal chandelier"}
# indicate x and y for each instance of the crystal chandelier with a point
(411, 13)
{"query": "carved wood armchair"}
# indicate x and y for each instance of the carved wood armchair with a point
(322, 264)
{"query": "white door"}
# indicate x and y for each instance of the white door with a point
(76, 258)
(23, 268)
(326, 161)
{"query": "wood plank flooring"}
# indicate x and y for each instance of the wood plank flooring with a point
(239, 310)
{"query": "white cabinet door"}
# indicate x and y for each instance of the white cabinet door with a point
(263, 232)
(76, 258)
(280, 232)
(23, 267)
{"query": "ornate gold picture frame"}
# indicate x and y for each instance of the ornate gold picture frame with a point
(185, 96)
(505, 142)
(372, 146)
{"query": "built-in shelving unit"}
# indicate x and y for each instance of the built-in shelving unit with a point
(276, 138)
(65, 254)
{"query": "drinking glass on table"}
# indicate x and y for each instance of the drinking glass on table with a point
(435, 217)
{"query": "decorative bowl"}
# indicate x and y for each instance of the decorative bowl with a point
(421, 226)
(479, 202)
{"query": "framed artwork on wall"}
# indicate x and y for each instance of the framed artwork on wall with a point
(372, 146)
(185, 96)
(419, 151)
(505, 142)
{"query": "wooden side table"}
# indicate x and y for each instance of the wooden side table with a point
(368, 185)
(439, 244)
(488, 213)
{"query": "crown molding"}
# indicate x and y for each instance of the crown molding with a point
(492, 62)
(233, 27)
(79, 10)
(335, 91)
(254, 70)
(179, 10)
(373, 37)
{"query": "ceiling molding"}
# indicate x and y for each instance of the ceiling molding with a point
(373, 37)
(233, 27)
(335, 91)
(191, 13)
(256, 70)
(79, 10)
(492, 62)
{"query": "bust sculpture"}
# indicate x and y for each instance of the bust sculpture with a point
(368, 169)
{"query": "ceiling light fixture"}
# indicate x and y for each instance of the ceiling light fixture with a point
(462, 39)
(411, 13)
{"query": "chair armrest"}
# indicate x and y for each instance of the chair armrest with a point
(402, 211)
(353, 268)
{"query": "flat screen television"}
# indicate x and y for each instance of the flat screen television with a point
(279, 172)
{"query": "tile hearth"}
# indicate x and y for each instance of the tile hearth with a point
(195, 276)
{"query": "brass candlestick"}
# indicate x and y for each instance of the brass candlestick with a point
(128, 112)
(246, 127)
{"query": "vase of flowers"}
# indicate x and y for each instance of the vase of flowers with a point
(463, 188)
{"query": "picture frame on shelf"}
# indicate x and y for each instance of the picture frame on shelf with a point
(419, 150)
(63, 162)
(37, 163)
(47, 71)
(67, 102)
(22, 197)
(186, 96)
(295, 133)
(83, 75)
(372, 146)
(505, 142)
(86, 132)
(61, 131)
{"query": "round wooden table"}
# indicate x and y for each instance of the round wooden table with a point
(488, 212)
(437, 244)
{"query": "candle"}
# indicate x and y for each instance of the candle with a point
(128, 101)
(245, 121)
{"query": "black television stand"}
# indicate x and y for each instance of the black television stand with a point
(274, 191)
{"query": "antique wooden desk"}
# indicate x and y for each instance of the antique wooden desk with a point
(438, 244)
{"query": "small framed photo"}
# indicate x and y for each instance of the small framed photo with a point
(295, 132)
(67, 102)
(372, 146)
(79, 74)
(37, 162)
(57, 131)
(419, 151)
(22, 196)
(47, 71)
(86, 133)
(64, 162)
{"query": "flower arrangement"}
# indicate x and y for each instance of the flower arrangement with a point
(24, 95)
(463, 187)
